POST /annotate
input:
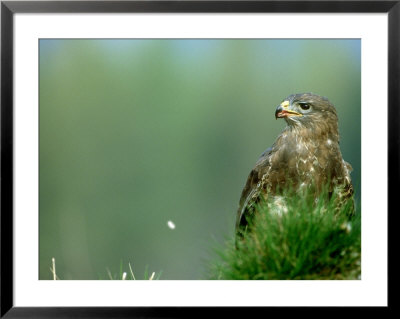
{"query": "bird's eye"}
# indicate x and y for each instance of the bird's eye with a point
(304, 106)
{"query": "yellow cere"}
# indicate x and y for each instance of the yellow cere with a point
(285, 104)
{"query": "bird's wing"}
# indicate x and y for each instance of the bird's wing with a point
(346, 191)
(251, 187)
(348, 166)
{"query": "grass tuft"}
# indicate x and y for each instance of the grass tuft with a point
(129, 275)
(122, 275)
(310, 240)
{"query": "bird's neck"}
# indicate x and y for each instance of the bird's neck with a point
(294, 138)
(312, 134)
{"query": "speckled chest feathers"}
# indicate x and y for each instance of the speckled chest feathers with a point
(303, 155)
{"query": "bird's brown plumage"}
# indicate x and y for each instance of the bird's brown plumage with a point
(306, 153)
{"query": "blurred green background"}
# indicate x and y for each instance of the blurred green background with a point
(134, 133)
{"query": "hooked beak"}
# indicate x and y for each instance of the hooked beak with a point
(283, 111)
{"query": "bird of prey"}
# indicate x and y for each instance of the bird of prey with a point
(306, 153)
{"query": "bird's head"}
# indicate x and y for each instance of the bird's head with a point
(307, 110)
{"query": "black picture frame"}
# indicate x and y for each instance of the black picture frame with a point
(9, 8)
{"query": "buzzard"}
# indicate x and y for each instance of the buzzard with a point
(306, 153)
